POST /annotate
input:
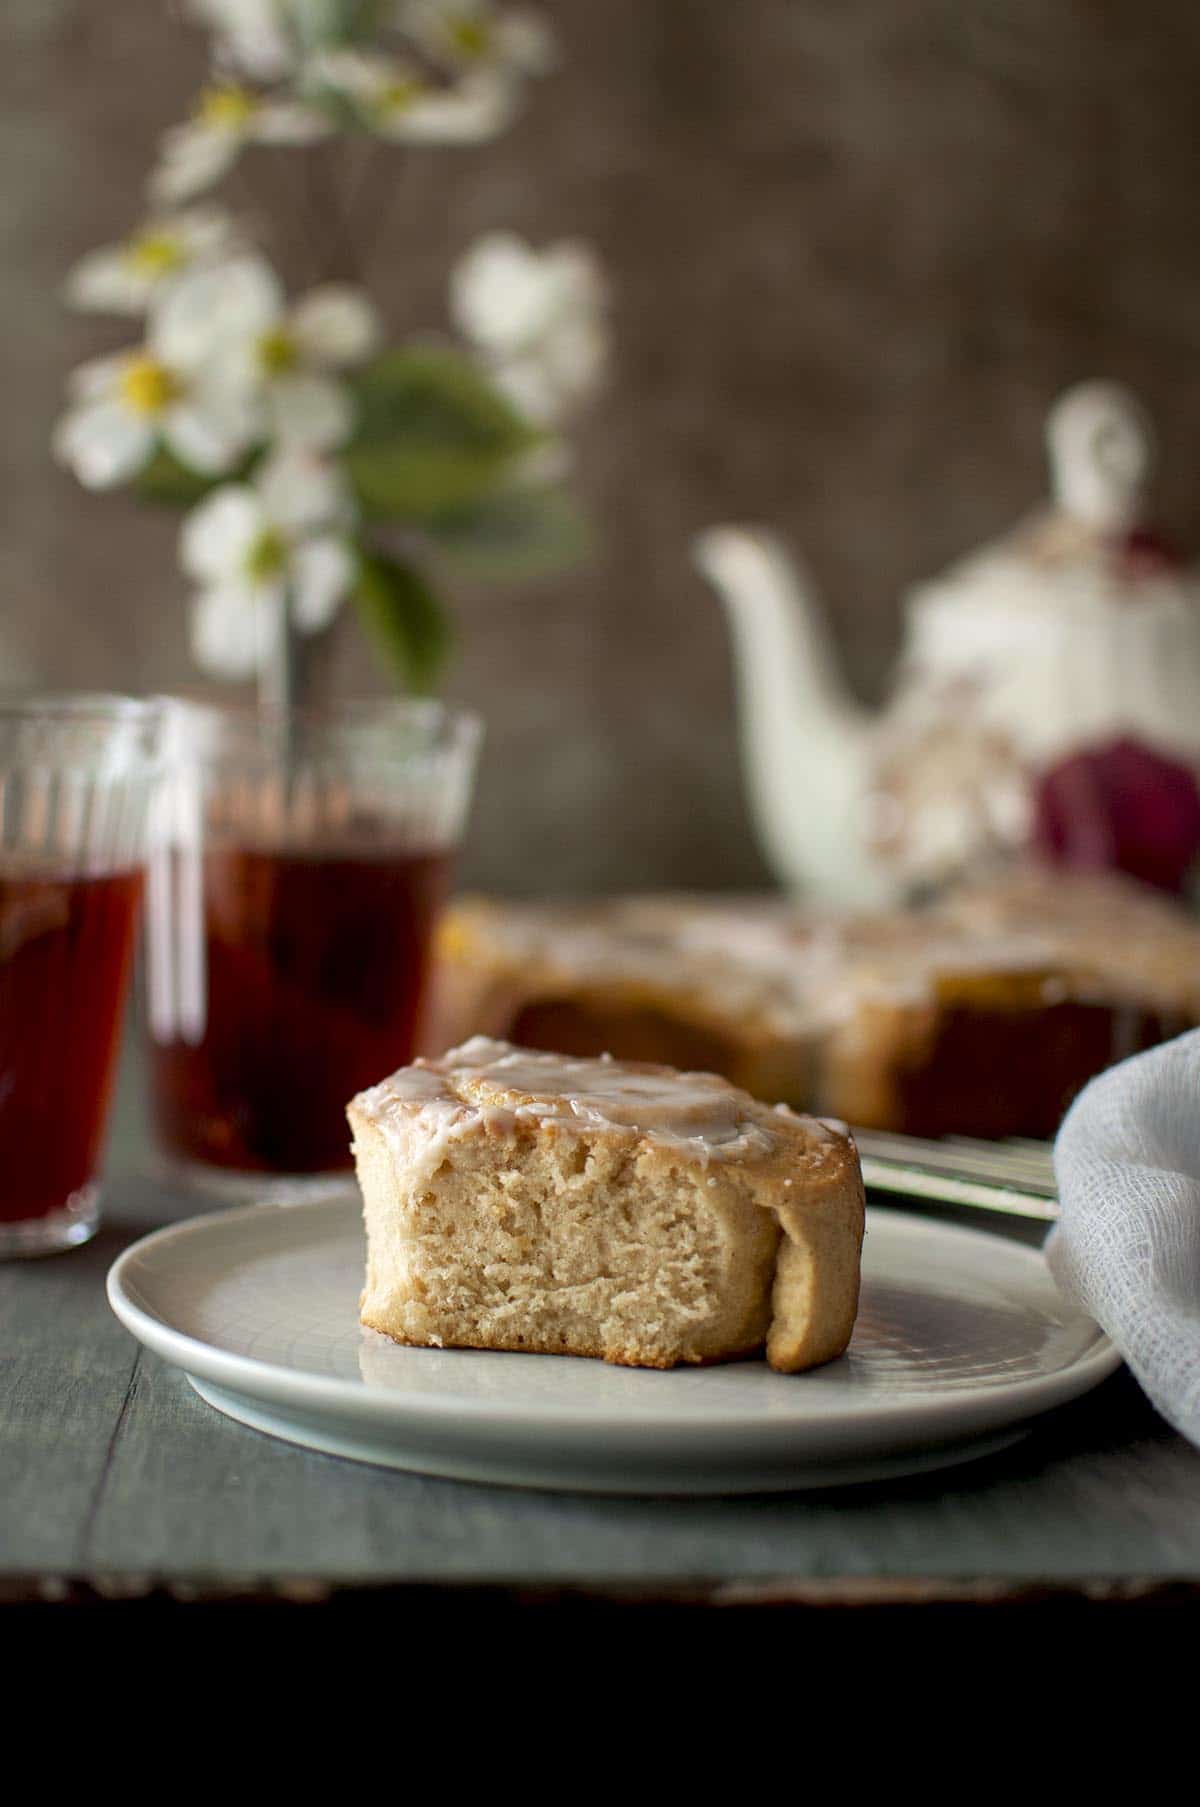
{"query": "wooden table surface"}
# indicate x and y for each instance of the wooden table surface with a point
(115, 1476)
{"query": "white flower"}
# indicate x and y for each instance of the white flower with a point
(286, 360)
(392, 98)
(212, 309)
(126, 278)
(255, 550)
(265, 38)
(538, 318)
(250, 35)
(226, 119)
(471, 33)
(124, 406)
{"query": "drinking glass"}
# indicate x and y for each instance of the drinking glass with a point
(292, 896)
(77, 778)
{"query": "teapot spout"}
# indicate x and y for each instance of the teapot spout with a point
(805, 740)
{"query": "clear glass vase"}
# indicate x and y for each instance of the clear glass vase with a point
(293, 893)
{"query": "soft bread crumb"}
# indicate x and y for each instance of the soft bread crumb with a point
(547, 1233)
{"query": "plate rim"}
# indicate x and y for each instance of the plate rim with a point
(808, 1474)
(290, 1385)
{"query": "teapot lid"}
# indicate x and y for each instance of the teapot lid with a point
(1089, 549)
(1101, 447)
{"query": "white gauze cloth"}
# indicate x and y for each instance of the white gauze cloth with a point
(1127, 1245)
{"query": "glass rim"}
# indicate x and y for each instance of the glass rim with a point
(100, 706)
(447, 724)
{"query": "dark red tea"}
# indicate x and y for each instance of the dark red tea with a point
(317, 963)
(65, 946)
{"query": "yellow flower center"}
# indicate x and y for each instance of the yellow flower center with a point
(277, 352)
(155, 253)
(266, 557)
(398, 96)
(469, 35)
(147, 386)
(227, 108)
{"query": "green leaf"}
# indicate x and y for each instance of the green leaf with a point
(433, 434)
(515, 534)
(173, 484)
(402, 618)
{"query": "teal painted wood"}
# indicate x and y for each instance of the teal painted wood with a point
(188, 1494)
(111, 1466)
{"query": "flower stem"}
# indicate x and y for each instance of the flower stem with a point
(369, 201)
(335, 252)
(280, 685)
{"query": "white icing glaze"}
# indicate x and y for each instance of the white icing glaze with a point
(791, 975)
(908, 972)
(425, 1106)
(752, 960)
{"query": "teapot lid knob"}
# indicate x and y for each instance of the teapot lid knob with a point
(1101, 448)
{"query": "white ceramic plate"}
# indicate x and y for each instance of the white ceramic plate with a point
(962, 1337)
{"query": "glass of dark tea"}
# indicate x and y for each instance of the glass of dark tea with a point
(77, 784)
(291, 905)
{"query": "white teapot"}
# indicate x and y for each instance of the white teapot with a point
(1048, 692)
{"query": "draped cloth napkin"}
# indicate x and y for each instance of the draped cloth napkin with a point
(1127, 1245)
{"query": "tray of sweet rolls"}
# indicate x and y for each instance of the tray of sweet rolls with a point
(952, 1035)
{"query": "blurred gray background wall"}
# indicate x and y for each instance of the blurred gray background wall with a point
(856, 248)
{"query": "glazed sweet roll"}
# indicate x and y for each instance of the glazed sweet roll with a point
(538, 1202)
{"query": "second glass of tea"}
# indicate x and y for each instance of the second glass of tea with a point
(290, 907)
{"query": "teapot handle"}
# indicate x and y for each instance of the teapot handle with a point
(1101, 446)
